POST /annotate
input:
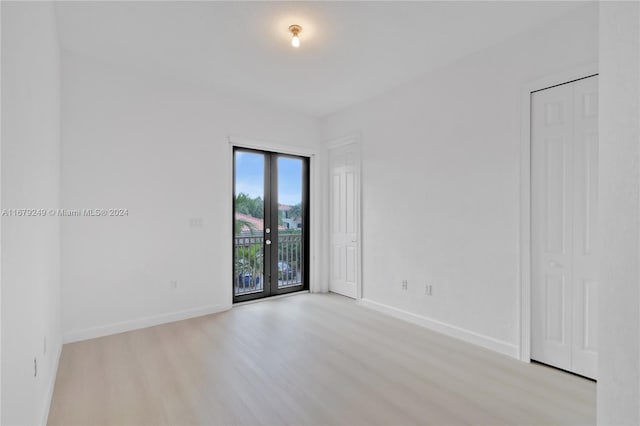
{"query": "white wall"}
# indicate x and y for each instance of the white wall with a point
(160, 150)
(619, 333)
(30, 179)
(441, 181)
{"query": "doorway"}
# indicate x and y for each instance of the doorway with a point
(564, 205)
(270, 224)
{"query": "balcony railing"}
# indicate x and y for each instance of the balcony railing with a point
(249, 262)
(248, 258)
(289, 259)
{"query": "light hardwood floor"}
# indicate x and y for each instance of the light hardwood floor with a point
(306, 359)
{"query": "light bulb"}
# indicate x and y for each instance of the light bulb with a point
(295, 30)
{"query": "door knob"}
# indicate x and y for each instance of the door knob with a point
(268, 242)
(554, 264)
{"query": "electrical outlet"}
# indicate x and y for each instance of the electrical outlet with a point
(428, 289)
(195, 222)
(173, 284)
(405, 284)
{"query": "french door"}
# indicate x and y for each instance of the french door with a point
(270, 224)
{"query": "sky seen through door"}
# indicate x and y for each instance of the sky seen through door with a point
(250, 178)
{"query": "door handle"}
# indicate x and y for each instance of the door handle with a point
(267, 242)
(554, 264)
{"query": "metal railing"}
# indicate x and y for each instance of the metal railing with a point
(248, 254)
(248, 258)
(289, 259)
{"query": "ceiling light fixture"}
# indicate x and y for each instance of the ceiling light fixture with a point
(295, 30)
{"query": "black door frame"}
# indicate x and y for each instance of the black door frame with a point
(270, 252)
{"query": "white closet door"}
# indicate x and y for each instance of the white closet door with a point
(564, 155)
(552, 225)
(344, 220)
(585, 260)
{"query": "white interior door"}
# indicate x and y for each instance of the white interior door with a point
(564, 158)
(344, 220)
(585, 260)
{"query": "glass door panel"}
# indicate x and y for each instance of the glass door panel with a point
(290, 222)
(248, 238)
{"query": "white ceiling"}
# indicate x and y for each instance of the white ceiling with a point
(350, 50)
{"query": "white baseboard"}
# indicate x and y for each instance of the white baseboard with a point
(487, 342)
(50, 388)
(123, 326)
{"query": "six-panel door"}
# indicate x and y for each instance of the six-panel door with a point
(344, 208)
(564, 158)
